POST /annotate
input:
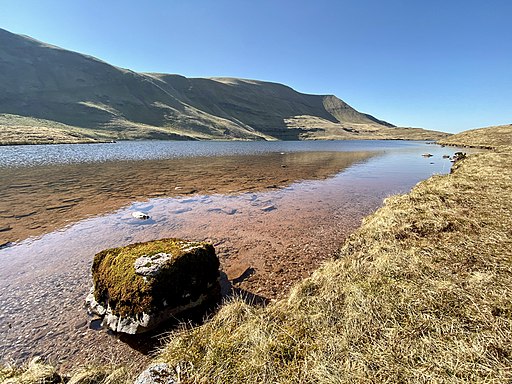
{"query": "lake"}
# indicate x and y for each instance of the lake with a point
(32, 155)
(275, 209)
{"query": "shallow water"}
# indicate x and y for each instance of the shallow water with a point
(281, 233)
(40, 199)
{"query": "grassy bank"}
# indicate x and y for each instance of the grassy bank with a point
(21, 130)
(420, 293)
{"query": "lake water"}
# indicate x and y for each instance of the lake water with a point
(278, 209)
(31, 155)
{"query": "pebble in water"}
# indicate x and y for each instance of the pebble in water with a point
(140, 215)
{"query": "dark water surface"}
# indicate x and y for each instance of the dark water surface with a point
(282, 223)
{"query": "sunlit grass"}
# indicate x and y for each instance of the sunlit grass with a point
(39, 372)
(490, 137)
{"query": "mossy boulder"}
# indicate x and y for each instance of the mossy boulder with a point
(137, 287)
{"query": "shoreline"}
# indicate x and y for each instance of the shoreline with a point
(280, 234)
(460, 145)
(50, 142)
(115, 140)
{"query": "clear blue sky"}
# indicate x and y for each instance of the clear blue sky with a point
(438, 64)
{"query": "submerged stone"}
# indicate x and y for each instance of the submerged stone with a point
(268, 208)
(140, 215)
(137, 287)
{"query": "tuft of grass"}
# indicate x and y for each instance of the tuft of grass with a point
(39, 372)
(9, 372)
(35, 372)
(100, 375)
(420, 293)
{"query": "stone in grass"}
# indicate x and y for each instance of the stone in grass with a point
(159, 373)
(138, 287)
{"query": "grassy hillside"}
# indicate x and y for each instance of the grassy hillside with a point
(72, 91)
(489, 137)
(26, 130)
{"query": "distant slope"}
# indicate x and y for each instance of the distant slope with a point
(16, 129)
(44, 82)
(489, 137)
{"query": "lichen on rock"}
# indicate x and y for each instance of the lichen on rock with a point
(137, 287)
(151, 265)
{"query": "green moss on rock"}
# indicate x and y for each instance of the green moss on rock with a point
(187, 272)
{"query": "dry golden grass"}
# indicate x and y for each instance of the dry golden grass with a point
(490, 137)
(327, 130)
(15, 130)
(420, 293)
(38, 372)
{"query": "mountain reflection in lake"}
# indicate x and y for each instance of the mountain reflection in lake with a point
(279, 213)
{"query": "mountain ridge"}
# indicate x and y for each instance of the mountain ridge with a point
(47, 89)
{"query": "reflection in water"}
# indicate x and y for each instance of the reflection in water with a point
(36, 200)
(35, 155)
(278, 234)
